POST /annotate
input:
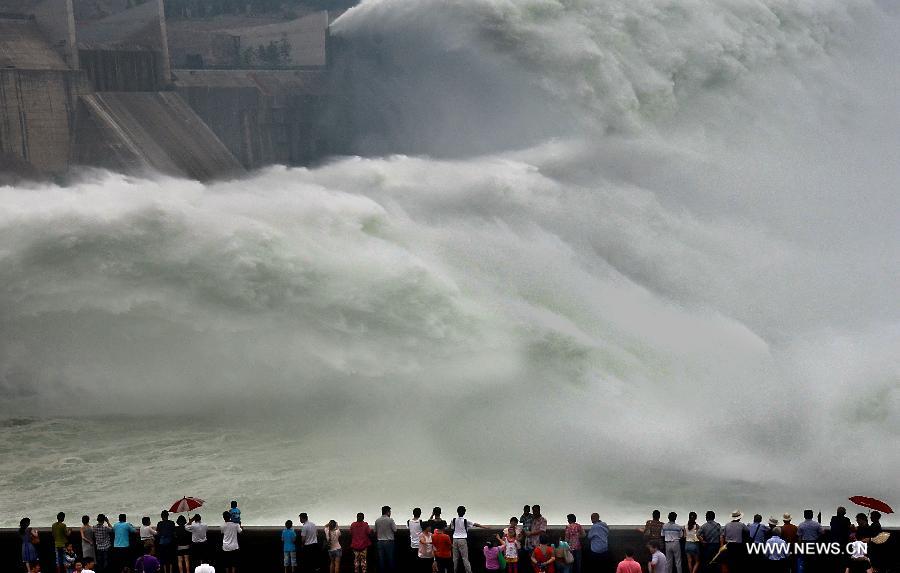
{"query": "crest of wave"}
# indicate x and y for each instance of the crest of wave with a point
(607, 64)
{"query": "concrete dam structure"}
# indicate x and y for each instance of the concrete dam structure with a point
(82, 89)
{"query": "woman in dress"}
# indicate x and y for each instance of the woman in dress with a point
(87, 538)
(182, 545)
(543, 557)
(29, 537)
(426, 549)
(692, 542)
(333, 543)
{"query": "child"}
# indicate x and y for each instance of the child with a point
(510, 546)
(491, 553)
(289, 546)
(69, 558)
(235, 513)
(148, 532)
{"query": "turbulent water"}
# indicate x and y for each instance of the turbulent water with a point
(600, 255)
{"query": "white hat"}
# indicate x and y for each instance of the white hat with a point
(786, 517)
(773, 521)
(736, 515)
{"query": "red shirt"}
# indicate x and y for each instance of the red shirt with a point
(359, 535)
(442, 545)
(628, 565)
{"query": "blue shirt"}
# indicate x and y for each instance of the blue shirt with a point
(809, 530)
(235, 515)
(599, 537)
(289, 538)
(776, 548)
(122, 532)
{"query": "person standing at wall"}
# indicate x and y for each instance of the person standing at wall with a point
(231, 549)
(809, 531)
(165, 531)
(672, 535)
(199, 544)
(598, 538)
(360, 540)
(733, 535)
(122, 532)
(692, 543)
(102, 542)
(436, 521)
(61, 534)
(182, 545)
(538, 528)
(414, 526)
(289, 546)
(459, 526)
(525, 522)
(385, 529)
(309, 544)
(573, 534)
(333, 544)
(87, 538)
(29, 537)
(147, 533)
(652, 530)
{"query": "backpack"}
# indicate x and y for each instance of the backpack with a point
(453, 525)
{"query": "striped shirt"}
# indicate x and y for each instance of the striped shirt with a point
(672, 532)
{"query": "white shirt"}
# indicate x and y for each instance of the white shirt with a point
(415, 530)
(198, 532)
(308, 533)
(230, 532)
(147, 532)
(87, 571)
(459, 528)
(205, 568)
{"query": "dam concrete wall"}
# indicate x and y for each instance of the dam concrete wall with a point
(133, 131)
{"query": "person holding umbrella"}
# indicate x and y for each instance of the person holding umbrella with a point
(197, 530)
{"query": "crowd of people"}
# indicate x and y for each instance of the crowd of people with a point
(439, 546)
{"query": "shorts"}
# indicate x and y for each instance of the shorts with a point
(165, 552)
(184, 549)
(692, 548)
(60, 556)
(230, 558)
(290, 558)
(335, 553)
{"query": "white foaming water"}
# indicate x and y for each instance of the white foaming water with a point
(636, 254)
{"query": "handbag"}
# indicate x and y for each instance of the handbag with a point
(564, 554)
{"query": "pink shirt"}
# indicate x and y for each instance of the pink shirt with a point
(628, 565)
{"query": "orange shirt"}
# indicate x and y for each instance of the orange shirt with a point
(628, 565)
(442, 545)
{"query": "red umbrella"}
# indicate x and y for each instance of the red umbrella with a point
(186, 504)
(871, 503)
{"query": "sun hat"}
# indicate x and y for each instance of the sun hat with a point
(786, 517)
(736, 515)
(773, 521)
